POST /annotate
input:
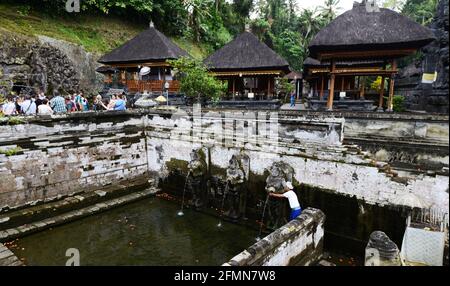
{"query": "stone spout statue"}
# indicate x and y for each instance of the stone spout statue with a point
(196, 179)
(279, 174)
(236, 187)
(381, 251)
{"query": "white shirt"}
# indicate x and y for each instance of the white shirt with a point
(9, 108)
(28, 107)
(44, 109)
(293, 200)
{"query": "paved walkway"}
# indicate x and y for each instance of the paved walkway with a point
(298, 106)
(7, 258)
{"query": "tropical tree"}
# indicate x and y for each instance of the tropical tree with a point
(196, 81)
(422, 11)
(199, 12)
(396, 5)
(329, 10)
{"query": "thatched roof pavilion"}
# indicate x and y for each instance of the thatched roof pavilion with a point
(367, 33)
(151, 49)
(371, 32)
(246, 52)
(147, 47)
(247, 59)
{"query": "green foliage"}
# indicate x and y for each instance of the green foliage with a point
(329, 10)
(15, 121)
(11, 151)
(422, 11)
(289, 46)
(289, 32)
(398, 103)
(209, 24)
(376, 85)
(24, 10)
(195, 80)
(396, 5)
(283, 85)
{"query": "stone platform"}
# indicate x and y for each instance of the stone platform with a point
(7, 258)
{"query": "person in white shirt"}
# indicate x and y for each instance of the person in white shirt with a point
(28, 107)
(44, 108)
(9, 107)
(289, 193)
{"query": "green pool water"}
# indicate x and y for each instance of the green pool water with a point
(147, 232)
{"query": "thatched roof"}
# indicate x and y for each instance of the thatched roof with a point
(106, 69)
(149, 46)
(358, 29)
(245, 52)
(294, 75)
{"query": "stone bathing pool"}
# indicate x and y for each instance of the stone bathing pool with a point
(147, 232)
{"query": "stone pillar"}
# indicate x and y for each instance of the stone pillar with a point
(331, 88)
(381, 251)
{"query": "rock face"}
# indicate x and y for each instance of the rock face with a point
(46, 63)
(429, 97)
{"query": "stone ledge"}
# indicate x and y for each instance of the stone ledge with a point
(299, 242)
(23, 230)
(41, 209)
(282, 115)
(7, 257)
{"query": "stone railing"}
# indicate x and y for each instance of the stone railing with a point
(299, 242)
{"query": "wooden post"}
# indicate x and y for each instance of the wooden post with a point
(362, 93)
(315, 88)
(391, 88)
(381, 100)
(342, 84)
(268, 88)
(321, 87)
(331, 88)
(234, 87)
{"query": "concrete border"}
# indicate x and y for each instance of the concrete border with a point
(7, 257)
(299, 242)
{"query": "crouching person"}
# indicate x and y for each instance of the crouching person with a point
(289, 193)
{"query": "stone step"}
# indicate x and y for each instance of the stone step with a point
(29, 228)
(8, 258)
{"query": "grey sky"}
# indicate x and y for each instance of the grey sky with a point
(311, 4)
(344, 5)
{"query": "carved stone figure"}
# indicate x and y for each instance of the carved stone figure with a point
(195, 181)
(279, 174)
(235, 188)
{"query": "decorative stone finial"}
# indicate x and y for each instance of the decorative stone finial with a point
(152, 25)
(370, 5)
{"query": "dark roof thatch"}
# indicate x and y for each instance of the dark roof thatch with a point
(358, 29)
(150, 45)
(106, 69)
(245, 52)
(294, 75)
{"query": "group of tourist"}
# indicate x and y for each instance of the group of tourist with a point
(39, 104)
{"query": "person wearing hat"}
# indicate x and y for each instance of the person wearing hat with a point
(289, 193)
